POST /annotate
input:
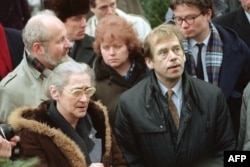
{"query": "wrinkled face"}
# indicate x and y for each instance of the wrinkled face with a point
(115, 54)
(55, 50)
(168, 60)
(70, 106)
(199, 27)
(246, 5)
(103, 8)
(75, 27)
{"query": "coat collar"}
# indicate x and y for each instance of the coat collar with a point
(26, 118)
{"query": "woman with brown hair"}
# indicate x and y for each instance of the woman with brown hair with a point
(120, 63)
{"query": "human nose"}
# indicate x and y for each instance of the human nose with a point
(110, 10)
(111, 50)
(172, 55)
(83, 22)
(183, 23)
(84, 97)
(67, 44)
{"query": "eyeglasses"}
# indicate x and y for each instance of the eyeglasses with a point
(89, 91)
(189, 19)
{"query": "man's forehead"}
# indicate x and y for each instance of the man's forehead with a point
(104, 2)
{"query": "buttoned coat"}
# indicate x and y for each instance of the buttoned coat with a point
(143, 126)
(23, 86)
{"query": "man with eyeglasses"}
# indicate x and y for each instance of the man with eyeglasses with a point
(69, 129)
(214, 54)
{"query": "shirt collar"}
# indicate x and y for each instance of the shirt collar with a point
(205, 42)
(248, 16)
(177, 88)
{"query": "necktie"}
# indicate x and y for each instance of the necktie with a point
(199, 67)
(173, 109)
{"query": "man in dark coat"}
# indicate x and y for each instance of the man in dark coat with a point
(146, 130)
(14, 14)
(11, 50)
(238, 20)
(225, 58)
(73, 15)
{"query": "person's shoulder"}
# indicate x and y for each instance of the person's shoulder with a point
(8, 78)
(89, 38)
(138, 89)
(132, 17)
(247, 90)
(227, 34)
(91, 20)
(228, 19)
(12, 30)
(16, 78)
(231, 39)
(202, 86)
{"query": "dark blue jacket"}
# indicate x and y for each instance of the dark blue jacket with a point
(15, 44)
(234, 73)
(236, 20)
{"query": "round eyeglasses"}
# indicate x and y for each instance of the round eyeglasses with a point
(189, 19)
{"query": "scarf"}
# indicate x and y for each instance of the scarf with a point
(214, 56)
(79, 136)
(5, 59)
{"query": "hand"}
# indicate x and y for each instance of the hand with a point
(96, 165)
(14, 140)
(5, 148)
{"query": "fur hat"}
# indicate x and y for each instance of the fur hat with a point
(67, 8)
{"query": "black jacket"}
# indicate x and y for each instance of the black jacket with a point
(82, 50)
(110, 85)
(236, 20)
(144, 126)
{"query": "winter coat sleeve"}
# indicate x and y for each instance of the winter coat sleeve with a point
(125, 137)
(244, 133)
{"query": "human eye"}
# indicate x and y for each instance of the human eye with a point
(90, 91)
(77, 92)
(103, 7)
(105, 47)
(189, 18)
(178, 19)
(163, 53)
(112, 5)
(117, 46)
(177, 50)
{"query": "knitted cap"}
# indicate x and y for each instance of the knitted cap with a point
(67, 8)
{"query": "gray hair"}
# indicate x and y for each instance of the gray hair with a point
(60, 75)
(35, 29)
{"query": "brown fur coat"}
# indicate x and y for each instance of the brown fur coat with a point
(41, 137)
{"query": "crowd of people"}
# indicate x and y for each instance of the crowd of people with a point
(110, 90)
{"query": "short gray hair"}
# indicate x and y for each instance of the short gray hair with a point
(60, 75)
(35, 29)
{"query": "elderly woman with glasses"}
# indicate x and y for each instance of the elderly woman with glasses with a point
(70, 130)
